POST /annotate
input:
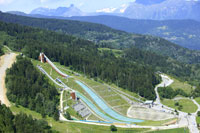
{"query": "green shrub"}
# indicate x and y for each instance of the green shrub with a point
(113, 128)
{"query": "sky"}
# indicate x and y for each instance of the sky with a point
(85, 5)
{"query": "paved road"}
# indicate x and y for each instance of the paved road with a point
(184, 118)
(6, 62)
(166, 81)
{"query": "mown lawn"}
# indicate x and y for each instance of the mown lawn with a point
(156, 123)
(198, 100)
(71, 127)
(177, 130)
(188, 105)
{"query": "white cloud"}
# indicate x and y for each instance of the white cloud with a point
(123, 8)
(2, 2)
(81, 4)
(43, 1)
(107, 10)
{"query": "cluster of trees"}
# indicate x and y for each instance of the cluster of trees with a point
(21, 123)
(180, 107)
(83, 56)
(29, 88)
(1, 50)
(196, 92)
(68, 116)
(169, 93)
(113, 128)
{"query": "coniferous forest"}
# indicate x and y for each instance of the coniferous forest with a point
(21, 123)
(29, 88)
(83, 56)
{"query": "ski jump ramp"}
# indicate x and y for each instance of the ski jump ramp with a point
(44, 57)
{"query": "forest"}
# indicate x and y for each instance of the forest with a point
(83, 56)
(104, 36)
(21, 123)
(163, 64)
(29, 88)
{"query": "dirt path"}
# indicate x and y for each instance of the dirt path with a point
(6, 62)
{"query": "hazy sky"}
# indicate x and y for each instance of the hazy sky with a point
(84, 5)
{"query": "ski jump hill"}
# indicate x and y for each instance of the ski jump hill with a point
(43, 58)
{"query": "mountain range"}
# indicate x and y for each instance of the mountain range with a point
(140, 9)
(60, 11)
(168, 9)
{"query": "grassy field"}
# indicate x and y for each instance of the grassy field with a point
(94, 117)
(188, 105)
(181, 85)
(129, 93)
(71, 127)
(156, 123)
(198, 100)
(116, 52)
(198, 120)
(177, 130)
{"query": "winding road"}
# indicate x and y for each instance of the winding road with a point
(184, 118)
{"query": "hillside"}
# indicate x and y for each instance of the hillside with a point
(185, 33)
(80, 55)
(11, 123)
(106, 37)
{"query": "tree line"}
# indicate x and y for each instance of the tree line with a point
(169, 93)
(196, 92)
(29, 88)
(21, 123)
(1, 50)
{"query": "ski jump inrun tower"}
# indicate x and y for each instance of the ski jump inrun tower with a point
(43, 58)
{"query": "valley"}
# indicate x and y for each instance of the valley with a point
(75, 74)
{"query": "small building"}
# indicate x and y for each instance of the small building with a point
(73, 95)
(42, 58)
(148, 102)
